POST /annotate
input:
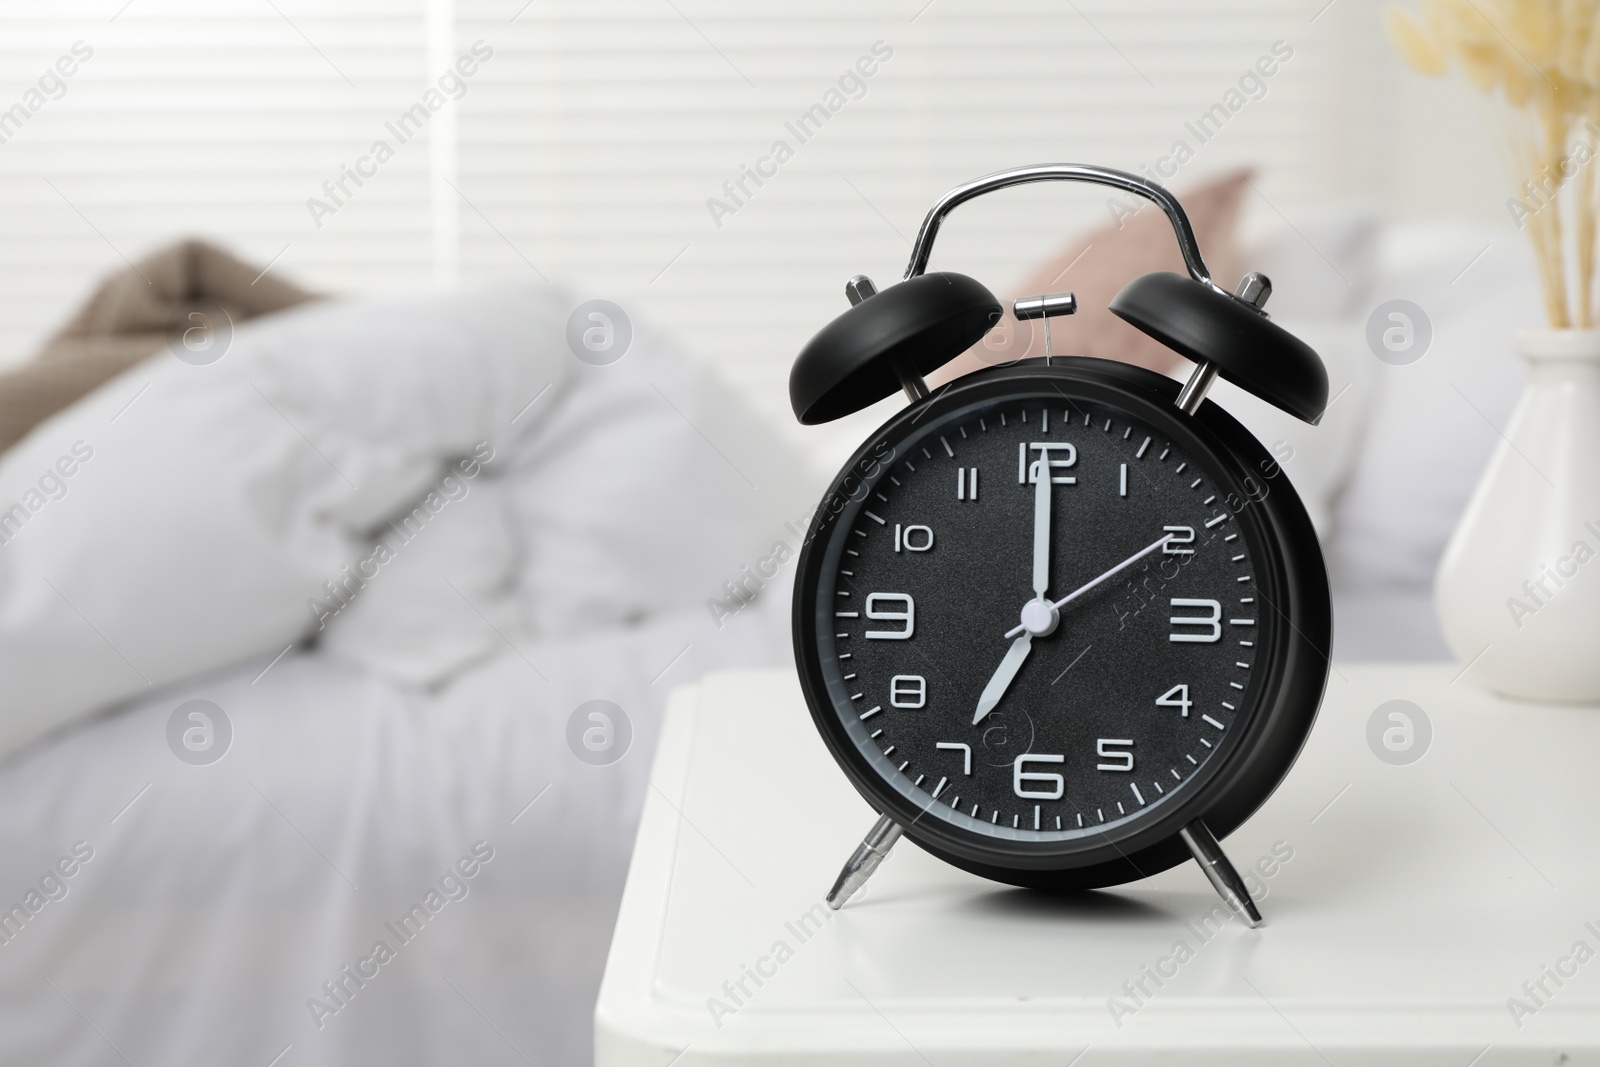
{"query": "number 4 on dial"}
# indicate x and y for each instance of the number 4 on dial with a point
(1176, 697)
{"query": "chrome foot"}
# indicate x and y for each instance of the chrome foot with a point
(1209, 855)
(874, 848)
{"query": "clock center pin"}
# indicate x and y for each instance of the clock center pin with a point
(1039, 617)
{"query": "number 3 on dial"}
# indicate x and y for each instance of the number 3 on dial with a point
(1209, 625)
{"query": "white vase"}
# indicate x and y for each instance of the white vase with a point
(1518, 589)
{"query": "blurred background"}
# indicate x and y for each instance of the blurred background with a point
(591, 523)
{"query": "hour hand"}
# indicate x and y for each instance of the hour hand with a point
(1003, 675)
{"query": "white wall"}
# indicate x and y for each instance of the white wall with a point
(1442, 159)
(625, 116)
(215, 118)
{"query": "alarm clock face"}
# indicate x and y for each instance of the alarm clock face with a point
(1132, 700)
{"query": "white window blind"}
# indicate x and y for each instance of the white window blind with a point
(587, 148)
(212, 118)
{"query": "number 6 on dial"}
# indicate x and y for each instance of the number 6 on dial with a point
(1058, 784)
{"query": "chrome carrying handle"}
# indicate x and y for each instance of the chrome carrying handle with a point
(1064, 172)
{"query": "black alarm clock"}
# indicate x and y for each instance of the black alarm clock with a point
(1064, 623)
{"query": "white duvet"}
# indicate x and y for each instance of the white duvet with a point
(397, 544)
(220, 899)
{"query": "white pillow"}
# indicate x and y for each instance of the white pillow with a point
(649, 485)
(1321, 265)
(208, 504)
(1433, 422)
(440, 597)
(1317, 459)
(636, 488)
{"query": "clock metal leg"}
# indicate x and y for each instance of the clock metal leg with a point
(1194, 390)
(860, 288)
(1253, 289)
(1224, 878)
(872, 851)
(915, 388)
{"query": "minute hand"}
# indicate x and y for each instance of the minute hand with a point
(1041, 526)
(1112, 573)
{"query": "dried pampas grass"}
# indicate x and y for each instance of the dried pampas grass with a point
(1539, 60)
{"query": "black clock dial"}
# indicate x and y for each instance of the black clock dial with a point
(1018, 718)
(1128, 696)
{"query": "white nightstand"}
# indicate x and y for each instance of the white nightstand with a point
(1405, 907)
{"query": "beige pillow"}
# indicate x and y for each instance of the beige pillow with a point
(126, 321)
(1097, 266)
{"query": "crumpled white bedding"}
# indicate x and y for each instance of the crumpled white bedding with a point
(398, 543)
(219, 899)
(409, 480)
